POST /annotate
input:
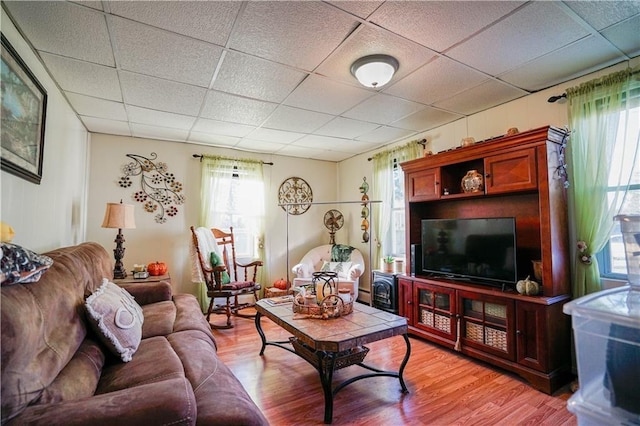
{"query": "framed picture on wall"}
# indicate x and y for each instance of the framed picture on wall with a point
(24, 106)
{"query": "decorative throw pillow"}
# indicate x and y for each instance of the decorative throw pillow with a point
(216, 261)
(340, 267)
(117, 319)
(20, 265)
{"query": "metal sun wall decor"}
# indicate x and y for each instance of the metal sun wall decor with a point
(160, 192)
(296, 192)
(364, 188)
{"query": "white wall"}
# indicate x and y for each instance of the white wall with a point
(51, 214)
(169, 242)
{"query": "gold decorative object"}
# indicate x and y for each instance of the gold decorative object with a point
(364, 188)
(297, 193)
(473, 181)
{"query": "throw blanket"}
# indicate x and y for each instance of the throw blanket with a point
(206, 244)
(341, 253)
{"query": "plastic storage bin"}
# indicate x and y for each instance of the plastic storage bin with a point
(606, 329)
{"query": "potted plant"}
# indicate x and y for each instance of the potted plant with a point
(387, 262)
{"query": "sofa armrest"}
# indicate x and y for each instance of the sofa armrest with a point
(146, 293)
(301, 270)
(355, 271)
(167, 402)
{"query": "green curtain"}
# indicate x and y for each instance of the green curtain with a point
(382, 183)
(595, 109)
(220, 194)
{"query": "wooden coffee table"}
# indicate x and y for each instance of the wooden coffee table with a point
(329, 345)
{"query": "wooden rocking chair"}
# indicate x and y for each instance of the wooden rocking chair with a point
(222, 280)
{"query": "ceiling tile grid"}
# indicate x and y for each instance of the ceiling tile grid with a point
(274, 76)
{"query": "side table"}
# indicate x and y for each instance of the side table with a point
(150, 279)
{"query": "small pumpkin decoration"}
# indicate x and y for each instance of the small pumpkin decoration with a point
(157, 268)
(527, 287)
(280, 284)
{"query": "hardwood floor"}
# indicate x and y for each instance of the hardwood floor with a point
(445, 388)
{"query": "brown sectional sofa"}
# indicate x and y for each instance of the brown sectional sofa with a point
(55, 371)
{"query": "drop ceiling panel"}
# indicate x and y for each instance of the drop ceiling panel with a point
(158, 53)
(300, 34)
(95, 107)
(602, 14)
(159, 118)
(296, 120)
(256, 78)
(477, 98)
(226, 107)
(324, 142)
(426, 119)
(83, 77)
(54, 27)
(259, 146)
(222, 128)
(383, 109)
(440, 24)
(536, 29)
(369, 40)
(213, 139)
(278, 136)
(155, 132)
(361, 8)
(323, 95)
(385, 134)
(346, 128)
(163, 95)
(625, 36)
(210, 21)
(558, 66)
(439, 79)
(110, 127)
(95, 4)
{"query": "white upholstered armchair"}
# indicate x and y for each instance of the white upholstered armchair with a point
(347, 261)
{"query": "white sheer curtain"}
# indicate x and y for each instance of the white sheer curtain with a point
(383, 186)
(232, 194)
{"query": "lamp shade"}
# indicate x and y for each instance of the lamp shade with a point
(119, 216)
(374, 70)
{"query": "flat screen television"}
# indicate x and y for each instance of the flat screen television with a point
(481, 250)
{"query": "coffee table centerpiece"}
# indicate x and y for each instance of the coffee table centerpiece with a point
(319, 299)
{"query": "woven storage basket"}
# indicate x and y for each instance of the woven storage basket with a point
(442, 322)
(343, 359)
(495, 310)
(495, 338)
(426, 318)
(474, 332)
(331, 306)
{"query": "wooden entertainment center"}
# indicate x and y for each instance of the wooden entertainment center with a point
(528, 335)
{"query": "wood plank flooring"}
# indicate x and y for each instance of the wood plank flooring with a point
(445, 388)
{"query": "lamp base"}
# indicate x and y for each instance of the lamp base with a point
(118, 253)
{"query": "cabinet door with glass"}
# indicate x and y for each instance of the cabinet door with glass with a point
(487, 324)
(434, 310)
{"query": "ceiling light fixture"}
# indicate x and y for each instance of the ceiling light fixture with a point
(374, 70)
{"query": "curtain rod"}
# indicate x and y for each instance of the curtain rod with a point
(423, 142)
(200, 156)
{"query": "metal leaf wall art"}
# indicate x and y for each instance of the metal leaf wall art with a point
(160, 192)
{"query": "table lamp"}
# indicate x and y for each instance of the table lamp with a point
(119, 216)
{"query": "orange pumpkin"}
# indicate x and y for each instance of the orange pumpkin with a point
(280, 284)
(157, 268)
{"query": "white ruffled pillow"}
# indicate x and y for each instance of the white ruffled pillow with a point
(117, 319)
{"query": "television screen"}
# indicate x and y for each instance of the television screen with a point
(478, 250)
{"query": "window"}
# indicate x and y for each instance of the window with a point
(396, 235)
(612, 258)
(233, 195)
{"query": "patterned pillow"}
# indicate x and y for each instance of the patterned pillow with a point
(116, 318)
(340, 267)
(216, 261)
(20, 265)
